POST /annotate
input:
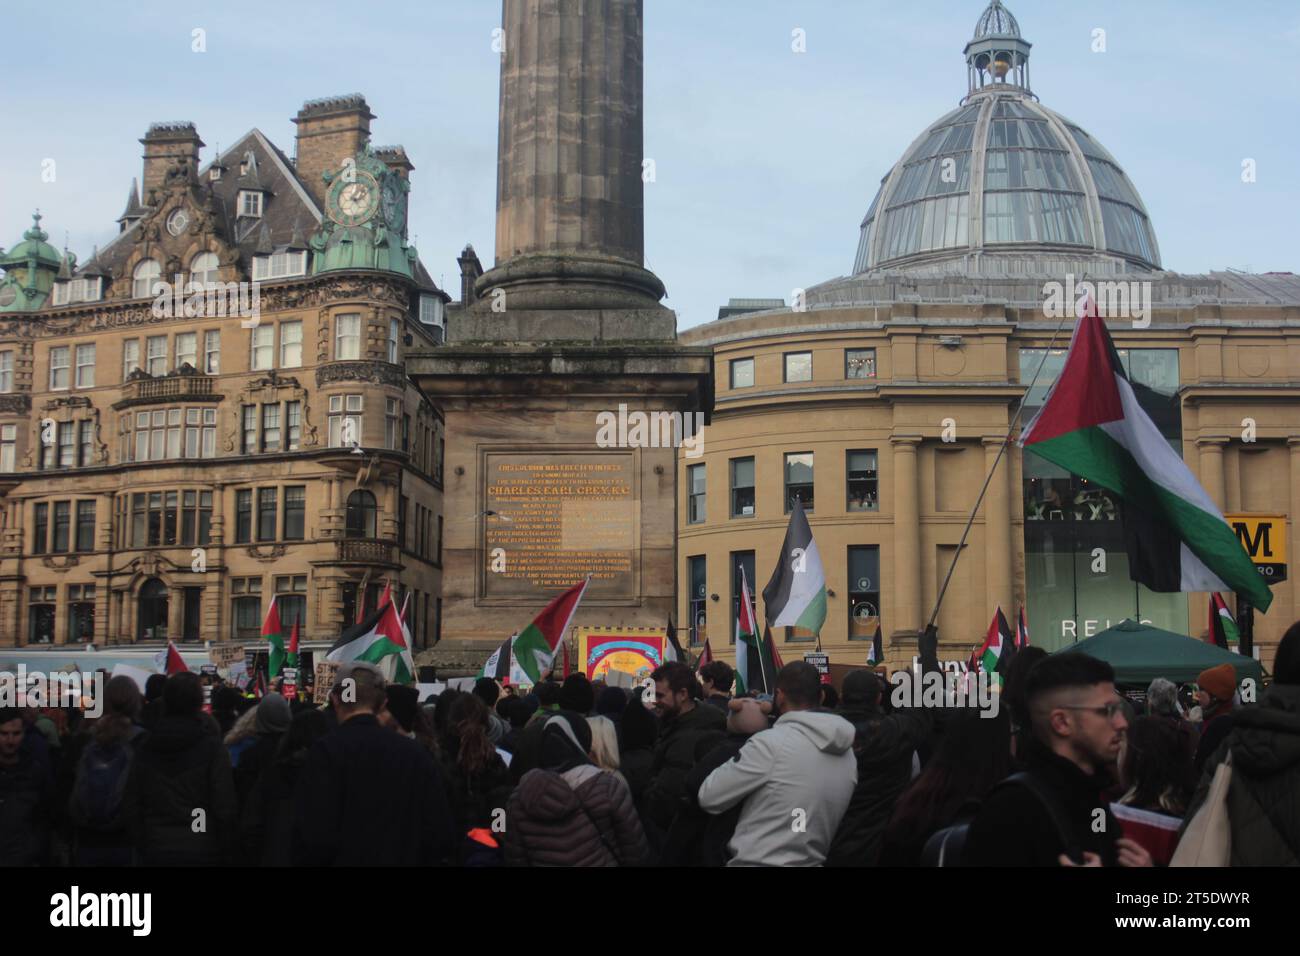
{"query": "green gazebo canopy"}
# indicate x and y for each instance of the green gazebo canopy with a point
(1140, 653)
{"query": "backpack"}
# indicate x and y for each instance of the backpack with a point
(944, 847)
(101, 781)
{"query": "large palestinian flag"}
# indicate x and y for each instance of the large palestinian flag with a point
(1092, 425)
(997, 649)
(536, 644)
(796, 594)
(377, 637)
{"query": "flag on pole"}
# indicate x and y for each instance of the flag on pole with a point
(996, 644)
(407, 659)
(497, 666)
(1092, 425)
(406, 604)
(706, 656)
(796, 594)
(378, 637)
(169, 661)
(1022, 631)
(876, 654)
(772, 661)
(273, 634)
(537, 644)
(1223, 629)
(746, 639)
(673, 648)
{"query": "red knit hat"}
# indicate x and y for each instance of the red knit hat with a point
(1220, 682)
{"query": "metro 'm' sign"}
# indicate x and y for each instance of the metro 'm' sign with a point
(1264, 538)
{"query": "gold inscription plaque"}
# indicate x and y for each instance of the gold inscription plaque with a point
(558, 518)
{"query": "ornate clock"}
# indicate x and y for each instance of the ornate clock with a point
(353, 200)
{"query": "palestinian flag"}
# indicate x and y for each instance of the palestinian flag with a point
(1092, 425)
(996, 651)
(407, 660)
(273, 634)
(796, 595)
(537, 643)
(706, 656)
(169, 661)
(876, 654)
(1223, 629)
(746, 640)
(498, 665)
(773, 660)
(377, 637)
(1022, 632)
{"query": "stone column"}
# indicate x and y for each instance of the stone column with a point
(1211, 468)
(906, 612)
(217, 529)
(997, 529)
(570, 195)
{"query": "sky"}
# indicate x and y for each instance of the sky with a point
(766, 159)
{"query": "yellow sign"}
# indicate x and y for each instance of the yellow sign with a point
(633, 651)
(1264, 538)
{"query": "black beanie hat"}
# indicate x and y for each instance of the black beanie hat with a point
(577, 694)
(402, 704)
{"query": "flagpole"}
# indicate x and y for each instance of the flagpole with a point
(1002, 448)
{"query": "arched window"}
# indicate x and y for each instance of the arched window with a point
(203, 269)
(145, 277)
(361, 515)
(152, 622)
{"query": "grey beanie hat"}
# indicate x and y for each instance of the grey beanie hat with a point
(273, 716)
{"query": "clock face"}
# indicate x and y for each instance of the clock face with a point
(394, 205)
(178, 221)
(355, 202)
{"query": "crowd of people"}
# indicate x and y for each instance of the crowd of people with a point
(577, 773)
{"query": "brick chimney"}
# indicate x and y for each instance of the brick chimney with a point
(470, 270)
(329, 131)
(164, 144)
(395, 158)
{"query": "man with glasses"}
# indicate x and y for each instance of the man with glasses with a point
(1055, 813)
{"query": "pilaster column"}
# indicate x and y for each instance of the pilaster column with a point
(1211, 468)
(217, 529)
(1293, 553)
(906, 612)
(997, 529)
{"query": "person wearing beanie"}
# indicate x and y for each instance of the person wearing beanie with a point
(577, 695)
(637, 733)
(1217, 685)
(271, 718)
(610, 703)
(569, 812)
(405, 716)
(1264, 740)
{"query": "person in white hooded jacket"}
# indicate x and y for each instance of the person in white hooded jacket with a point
(796, 779)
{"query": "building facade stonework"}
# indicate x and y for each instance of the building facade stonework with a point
(213, 409)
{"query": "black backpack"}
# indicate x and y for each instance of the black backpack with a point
(101, 781)
(945, 847)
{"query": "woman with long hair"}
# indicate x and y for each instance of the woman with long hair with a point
(1154, 768)
(604, 744)
(477, 779)
(973, 755)
(267, 823)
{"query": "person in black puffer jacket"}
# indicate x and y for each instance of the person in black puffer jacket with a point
(182, 768)
(685, 720)
(1264, 799)
(477, 780)
(267, 822)
(638, 730)
(884, 746)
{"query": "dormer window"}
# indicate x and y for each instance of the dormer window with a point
(280, 265)
(431, 310)
(144, 279)
(214, 173)
(77, 290)
(250, 203)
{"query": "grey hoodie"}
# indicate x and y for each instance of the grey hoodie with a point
(796, 781)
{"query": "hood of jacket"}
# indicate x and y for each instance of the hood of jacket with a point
(1266, 738)
(829, 733)
(547, 797)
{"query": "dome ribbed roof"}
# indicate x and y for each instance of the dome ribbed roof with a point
(1003, 176)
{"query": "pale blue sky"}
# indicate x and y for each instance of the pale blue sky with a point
(766, 159)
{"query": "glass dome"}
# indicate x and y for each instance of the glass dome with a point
(1004, 175)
